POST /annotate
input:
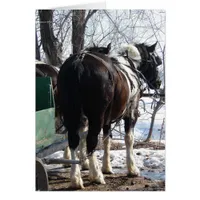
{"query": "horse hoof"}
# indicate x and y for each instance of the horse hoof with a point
(108, 172)
(134, 174)
(76, 186)
(98, 181)
(131, 175)
(71, 187)
(102, 182)
(85, 167)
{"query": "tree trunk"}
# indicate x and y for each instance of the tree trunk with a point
(37, 48)
(78, 30)
(79, 22)
(152, 120)
(51, 46)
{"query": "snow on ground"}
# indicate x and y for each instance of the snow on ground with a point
(150, 162)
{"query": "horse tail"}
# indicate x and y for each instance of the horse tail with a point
(70, 98)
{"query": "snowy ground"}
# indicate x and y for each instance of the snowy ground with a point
(150, 162)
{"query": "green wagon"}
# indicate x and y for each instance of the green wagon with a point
(47, 141)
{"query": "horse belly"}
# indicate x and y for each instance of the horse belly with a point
(121, 97)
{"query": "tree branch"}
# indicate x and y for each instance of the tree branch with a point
(64, 20)
(125, 37)
(90, 13)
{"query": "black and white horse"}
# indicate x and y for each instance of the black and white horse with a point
(96, 90)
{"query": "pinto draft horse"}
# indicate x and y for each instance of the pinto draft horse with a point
(83, 132)
(97, 90)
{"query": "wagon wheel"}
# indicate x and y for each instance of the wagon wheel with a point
(42, 182)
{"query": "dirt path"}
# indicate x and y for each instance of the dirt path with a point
(60, 180)
(114, 182)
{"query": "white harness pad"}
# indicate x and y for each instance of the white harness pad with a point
(130, 75)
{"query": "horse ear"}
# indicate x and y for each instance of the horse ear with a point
(152, 47)
(109, 47)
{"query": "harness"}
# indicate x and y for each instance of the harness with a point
(139, 73)
(82, 55)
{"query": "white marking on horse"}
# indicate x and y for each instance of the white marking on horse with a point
(95, 173)
(67, 154)
(82, 148)
(75, 174)
(131, 166)
(106, 168)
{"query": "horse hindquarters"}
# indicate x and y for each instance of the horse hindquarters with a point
(82, 94)
(94, 107)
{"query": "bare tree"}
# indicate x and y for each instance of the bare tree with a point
(158, 105)
(79, 22)
(51, 45)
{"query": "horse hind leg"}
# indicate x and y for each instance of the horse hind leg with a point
(106, 166)
(129, 141)
(95, 173)
(82, 149)
(67, 153)
(75, 174)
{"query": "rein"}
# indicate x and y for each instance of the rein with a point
(94, 56)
